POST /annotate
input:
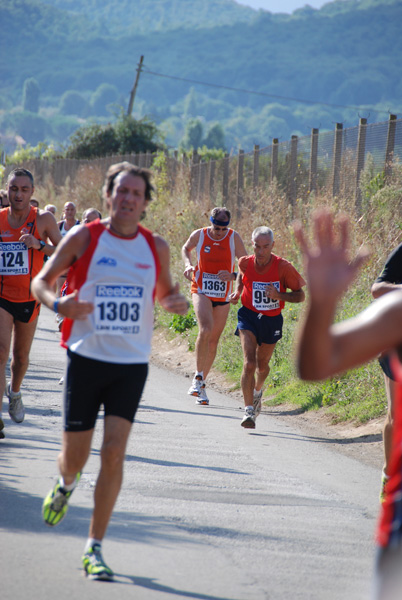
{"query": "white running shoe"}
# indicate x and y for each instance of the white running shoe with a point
(202, 398)
(257, 396)
(195, 388)
(16, 408)
(248, 421)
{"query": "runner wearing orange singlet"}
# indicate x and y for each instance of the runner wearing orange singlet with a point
(217, 247)
(23, 229)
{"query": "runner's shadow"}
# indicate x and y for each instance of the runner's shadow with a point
(169, 463)
(363, 439)
(151, 584)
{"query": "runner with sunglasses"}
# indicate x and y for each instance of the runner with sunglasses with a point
(217, 247)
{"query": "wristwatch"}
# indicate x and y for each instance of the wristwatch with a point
(42, 245)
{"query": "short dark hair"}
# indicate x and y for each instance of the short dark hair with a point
(126, 167)
(218, 209)
(21, 172)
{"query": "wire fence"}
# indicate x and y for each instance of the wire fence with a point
(328, 163)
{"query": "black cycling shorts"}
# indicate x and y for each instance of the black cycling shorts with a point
(25, 312)
(91, 383)
(386, 367)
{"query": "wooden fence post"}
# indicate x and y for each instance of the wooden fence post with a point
(292, 183)
(202, 178)
(337, 158)
(389, 152)
(240, 180)
(194, 175)
(312, 185)
(274, 161)
(225, 182)
(361, 149)
(212, 168)
(256, 166)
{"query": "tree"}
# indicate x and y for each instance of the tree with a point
(105, 95)
(30, 95)
(73, 103)
(193, 135)
(125, 136)
(215, 137)
(62, 127)
(136, 135)
(190, 104)
(30, 126)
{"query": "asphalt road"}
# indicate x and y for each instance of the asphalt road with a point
(208, 510)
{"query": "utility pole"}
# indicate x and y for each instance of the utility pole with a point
(133, 91)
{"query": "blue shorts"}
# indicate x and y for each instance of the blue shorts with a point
(267, 330)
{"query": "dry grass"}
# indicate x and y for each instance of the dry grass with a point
(85, 191)
(376, 222)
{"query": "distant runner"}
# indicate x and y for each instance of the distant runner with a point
(262, 283)
(217, 247)
(23, 231)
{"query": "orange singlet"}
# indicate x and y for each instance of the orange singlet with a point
(213, 256)
(18, 264)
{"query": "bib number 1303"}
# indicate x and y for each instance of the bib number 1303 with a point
(118, 309)
(122, 311)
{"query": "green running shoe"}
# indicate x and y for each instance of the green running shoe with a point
(94, 565)
(55, 505)
(384, 481)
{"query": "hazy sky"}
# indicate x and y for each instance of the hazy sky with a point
(284, 6)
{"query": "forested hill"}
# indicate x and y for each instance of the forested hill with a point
(144, 16)
(346, 54)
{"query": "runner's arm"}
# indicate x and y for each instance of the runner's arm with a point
(294, 296)
(235, 295)
(43, 285)
(47, 228)
(167, 293)
(240, 249)
(186, 254)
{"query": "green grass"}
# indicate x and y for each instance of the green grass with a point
(355, 396)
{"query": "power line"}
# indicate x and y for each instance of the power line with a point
(243, 91)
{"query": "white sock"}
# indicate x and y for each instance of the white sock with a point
(68, 487)
(200, 374)
(91, 542)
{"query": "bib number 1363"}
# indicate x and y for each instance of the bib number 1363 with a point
(212, 286)
(118, 308)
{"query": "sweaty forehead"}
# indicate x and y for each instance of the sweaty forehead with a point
(20, 181)
(263, 239)
(129, 179)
